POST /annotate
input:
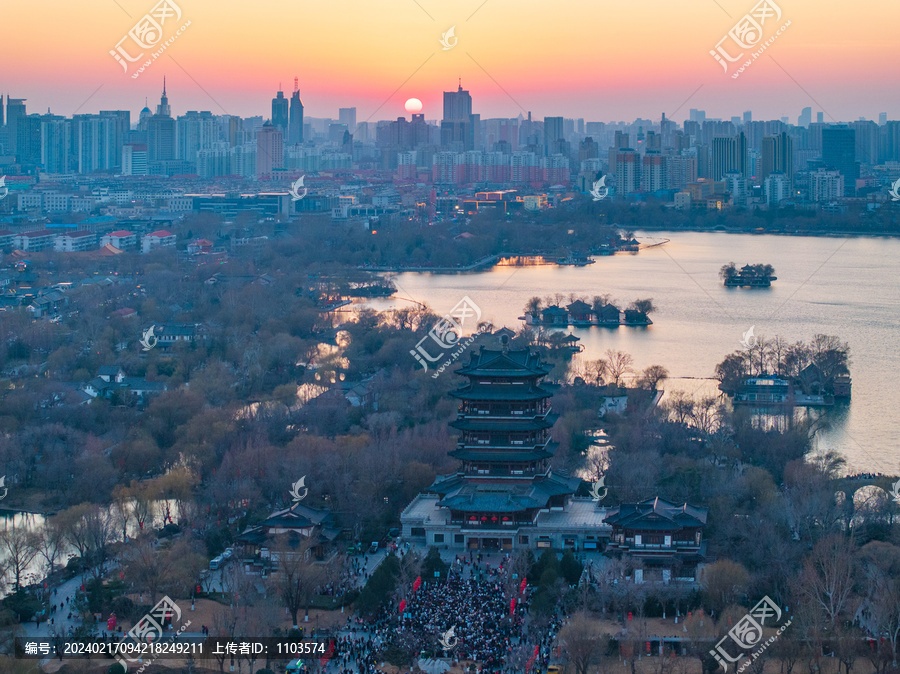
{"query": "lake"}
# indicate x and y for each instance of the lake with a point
(847, 287)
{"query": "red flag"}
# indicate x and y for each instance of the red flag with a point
(402, 605)
(325, 658)
(522, 588)
(512, 606)
(417, 584)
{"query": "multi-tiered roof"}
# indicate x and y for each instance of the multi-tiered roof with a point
(504, 445)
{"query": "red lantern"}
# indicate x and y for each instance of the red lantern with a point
(512, 606)
(522, 587)
(417, 584)
(629, 616)
(402, 605)
(484, 518)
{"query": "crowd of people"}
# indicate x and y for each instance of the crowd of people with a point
(486, 609)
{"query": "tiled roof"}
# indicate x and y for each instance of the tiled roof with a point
(657, 513)
(513, 362)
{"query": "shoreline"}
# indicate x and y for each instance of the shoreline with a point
(490, 262)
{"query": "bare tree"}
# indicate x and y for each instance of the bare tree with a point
(582, 641)
(724, 582)
(297, 573)
(50, 542)
(826, 581)
(19, 547)
(595, 370)
(652, 376)
(880, 579)
(618, 364)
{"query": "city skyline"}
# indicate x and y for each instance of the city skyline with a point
(578, 61)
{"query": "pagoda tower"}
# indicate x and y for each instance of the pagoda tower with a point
(504, 447)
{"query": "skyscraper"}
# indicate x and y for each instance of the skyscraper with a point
(161, 132)
(280, 115)
(628, 172)
(194, 131)
(458, 123)
(777, 155)
(295, 131)
(15, 111)
(839, 153)
(347, 117)
(163, 107)
(269, 151)
(55, 142)
(554, 135)
(95, 143)
(805, 118)
(729, 154)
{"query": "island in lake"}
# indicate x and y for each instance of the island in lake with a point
(749, 276)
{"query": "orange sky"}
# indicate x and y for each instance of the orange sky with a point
(596, 59)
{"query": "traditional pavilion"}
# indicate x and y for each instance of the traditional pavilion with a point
(665, 538)
(504, 496)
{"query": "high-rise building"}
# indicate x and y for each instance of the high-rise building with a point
(889, 144)
(628, 171)
(458, 123)
(776, 188)
(777, 155)
(161, 132)
(736, 186)
(826, 185)
(295, 132)
(144, 118)
(882, 118)
(347, 117)
(805, 118)
(134, 159)
(2, 112)
(94, 139)
(654, 172)
(56, 140)
(194, 131)
(554, 135)
(280, 113)
(820, 117)
(866, 141)
(728, 154)
(163, 107)
(697, 115)
(748, 116)
(28, 139)
(839, 153)
(269, 151)
(15, 111)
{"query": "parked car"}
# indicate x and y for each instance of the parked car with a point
(373, 548)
